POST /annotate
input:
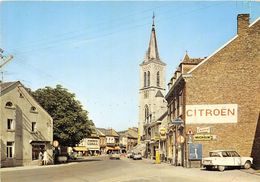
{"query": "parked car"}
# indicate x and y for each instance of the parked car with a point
(130, 155)
(222, 159)
(114, 156)
(137, 156)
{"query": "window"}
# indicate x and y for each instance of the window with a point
(9, 104)
(146, 113)
(33, 126)
(148, 78)
(10, 124)
(10, 149)
(144, 79)
(33, 109)
(158, 79)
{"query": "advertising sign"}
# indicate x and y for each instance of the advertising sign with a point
(218, 113)
(195, 151)
(203, 130)
(205, 137)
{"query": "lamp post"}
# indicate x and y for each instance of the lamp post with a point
(176, 122)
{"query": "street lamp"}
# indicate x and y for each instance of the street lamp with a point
(176, 122)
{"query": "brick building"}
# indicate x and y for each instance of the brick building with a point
(219, 98)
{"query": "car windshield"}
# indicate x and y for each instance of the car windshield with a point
(214, 154)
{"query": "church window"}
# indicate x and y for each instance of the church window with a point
(144, 79)
(148, 79)
(158, 79)
(146, 113)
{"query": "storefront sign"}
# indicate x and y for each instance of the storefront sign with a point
(218, 113)
(202, 137)
(203, 130)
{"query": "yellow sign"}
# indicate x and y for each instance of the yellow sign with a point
(162, 131)
(203, 137)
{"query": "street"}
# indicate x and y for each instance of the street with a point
(102, 169)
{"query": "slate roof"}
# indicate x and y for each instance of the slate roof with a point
(108, 132)
(5, 85)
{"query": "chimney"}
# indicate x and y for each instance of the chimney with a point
(242, 23)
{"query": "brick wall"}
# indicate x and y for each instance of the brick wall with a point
(232, 76)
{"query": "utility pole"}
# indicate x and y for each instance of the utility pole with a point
(3, 61)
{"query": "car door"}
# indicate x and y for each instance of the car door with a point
(227, 159)
(236, 158)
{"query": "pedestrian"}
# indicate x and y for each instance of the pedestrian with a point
(40, 157)
(45, 157)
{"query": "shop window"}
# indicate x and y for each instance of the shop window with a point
(10, 124)
(37, 149)
(10, 149)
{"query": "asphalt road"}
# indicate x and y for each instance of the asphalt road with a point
(125, 170)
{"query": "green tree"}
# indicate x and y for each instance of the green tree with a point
(70, 122)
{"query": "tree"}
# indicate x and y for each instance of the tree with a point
(70, 122)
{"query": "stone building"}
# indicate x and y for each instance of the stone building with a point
(128, 139)
(151, 93)
(26, 128)
(219, 98)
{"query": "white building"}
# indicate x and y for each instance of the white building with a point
(26, 129)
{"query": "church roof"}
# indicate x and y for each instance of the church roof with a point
(152, 54)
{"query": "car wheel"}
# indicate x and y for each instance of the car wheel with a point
(247, 165)
(221, 168)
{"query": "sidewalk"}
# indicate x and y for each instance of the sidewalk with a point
(70, 162)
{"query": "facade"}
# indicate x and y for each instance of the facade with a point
(91, 143)
(112, 139)
(152, 104)
(102, 142)
(26, 128)
(128, 139)
(175, 99)
(219, 98)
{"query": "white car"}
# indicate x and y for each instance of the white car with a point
(114, 156)
(137, 156)
(222, 159)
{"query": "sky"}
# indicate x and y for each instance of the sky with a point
(94, 48)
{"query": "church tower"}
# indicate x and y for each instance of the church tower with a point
(152, 86)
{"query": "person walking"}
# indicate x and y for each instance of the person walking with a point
(40, 157)
(45, 157)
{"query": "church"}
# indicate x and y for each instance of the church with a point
(152, 104)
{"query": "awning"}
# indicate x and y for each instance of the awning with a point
(33, 142)
(80, 148)
(93, 148)
(113, 148)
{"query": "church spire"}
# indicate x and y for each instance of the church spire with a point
(152, 52)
